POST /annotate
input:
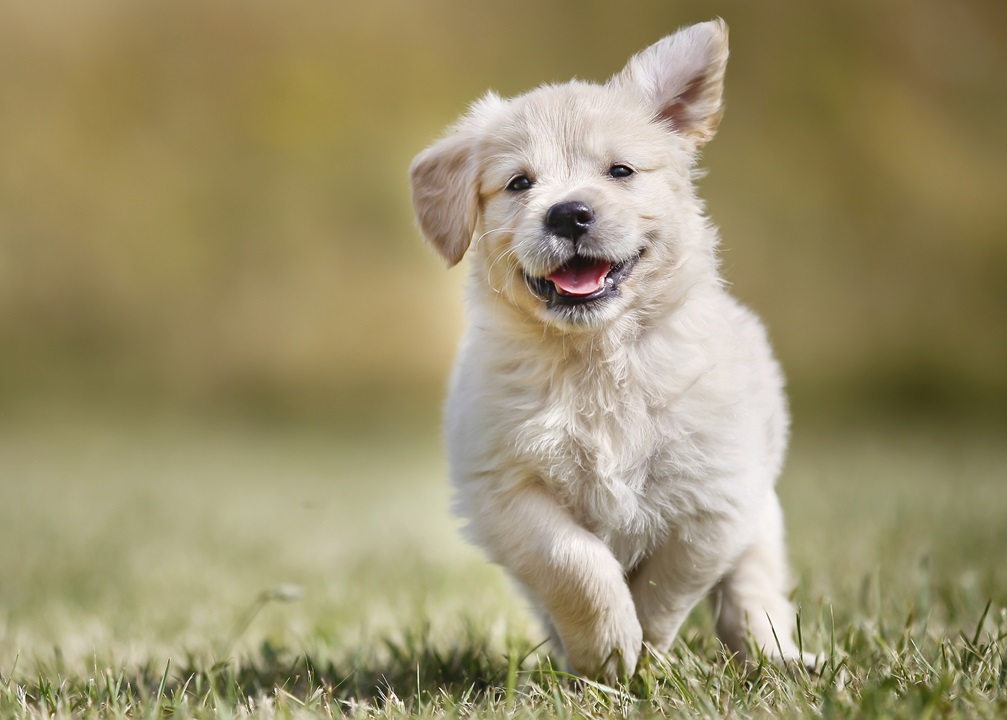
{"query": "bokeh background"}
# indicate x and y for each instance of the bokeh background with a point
(204, 206)
(223, 344)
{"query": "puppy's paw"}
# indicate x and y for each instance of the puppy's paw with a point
(813, 664)
(816, 666)
(794, 661)
(791, 659)
(608, 652)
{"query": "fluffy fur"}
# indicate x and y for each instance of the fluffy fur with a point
(618, 457)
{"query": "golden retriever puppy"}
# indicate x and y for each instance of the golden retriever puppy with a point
(616, 420)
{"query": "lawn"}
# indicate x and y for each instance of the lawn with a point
(199, 570)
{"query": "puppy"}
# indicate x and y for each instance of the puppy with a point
(616, 420)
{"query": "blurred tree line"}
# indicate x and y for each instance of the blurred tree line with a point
(205, 204)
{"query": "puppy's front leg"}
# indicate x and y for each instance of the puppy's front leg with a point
(570, 573)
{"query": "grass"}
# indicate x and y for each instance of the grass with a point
(203, 571)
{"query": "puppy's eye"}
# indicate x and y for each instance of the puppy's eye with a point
(519, 183)
(620, 171)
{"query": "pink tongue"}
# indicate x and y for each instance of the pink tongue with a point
(581, 277)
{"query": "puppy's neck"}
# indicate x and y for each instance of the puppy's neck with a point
(518, 333)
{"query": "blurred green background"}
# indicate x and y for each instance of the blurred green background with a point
(223, 344)
(204, 206)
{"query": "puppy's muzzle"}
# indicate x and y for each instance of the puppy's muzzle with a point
(585, 278)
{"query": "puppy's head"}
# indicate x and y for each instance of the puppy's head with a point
(577, 199)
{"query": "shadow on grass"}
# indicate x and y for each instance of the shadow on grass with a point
(413, 672)
(401, 671)
(409, 674)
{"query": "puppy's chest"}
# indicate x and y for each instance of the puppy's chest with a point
(615, 464)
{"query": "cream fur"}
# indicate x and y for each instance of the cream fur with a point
(619, 462)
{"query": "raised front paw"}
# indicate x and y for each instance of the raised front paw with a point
(607, 650)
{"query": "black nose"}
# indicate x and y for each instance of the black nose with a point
(569, 219)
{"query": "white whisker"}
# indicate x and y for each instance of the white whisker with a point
(494, 230)
(489, 271)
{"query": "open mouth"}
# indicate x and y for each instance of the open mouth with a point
(582, 281)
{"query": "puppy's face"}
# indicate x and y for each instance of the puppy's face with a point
(578, 197)
(577, 191)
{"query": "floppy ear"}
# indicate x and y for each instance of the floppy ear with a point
(683, 77)
(445, 196)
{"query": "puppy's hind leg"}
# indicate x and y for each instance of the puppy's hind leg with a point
(753, 596)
